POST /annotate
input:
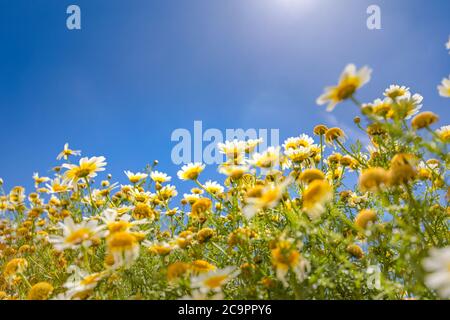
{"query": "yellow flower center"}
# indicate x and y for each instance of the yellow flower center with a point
(79, 236)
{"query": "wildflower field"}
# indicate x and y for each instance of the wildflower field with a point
(318, 218)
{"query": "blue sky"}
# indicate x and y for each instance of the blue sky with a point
(140, 69)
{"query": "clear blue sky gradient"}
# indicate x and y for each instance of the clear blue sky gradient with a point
(139, 69)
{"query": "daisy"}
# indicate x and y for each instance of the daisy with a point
(395, 91)
(408, 105)
(234, 171)
(213, 187)
(315, 197)
(167, 192)
(299, 154)
(233, 150)
(67, 152)
(123, 249)
(38, 180)
(159, 177)
(135, 177)
(285, 257)
(87, 168)
(80, 284)
(190, 171)
(444, 88)
(351, 79)
(447, 45)
(214, 280)
(267, 199)
(438, 267)
(77, 235)
(57, 186)
(251, 144)
(268, 159)
(444, 133)
(118, 223)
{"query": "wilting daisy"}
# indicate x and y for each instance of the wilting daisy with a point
(213, 187)
(190, 171)
(444, 88)
(395, 91)
(267, 198)
(159, 177)
(438, 267)
(351, 79)
(87, 168)
(77, 235)
(67, 152)
(135, 177)
(214, 280)
(315, 197)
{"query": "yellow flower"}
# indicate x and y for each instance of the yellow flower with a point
(364, 217)
(135, 177)
(14, 266)
(213, 281)
(159, 177)
(213, 187)
(333, 134)
(190, 171)
(320, 129)
(177, 270)
(285, 257)
(87, 168)
(315, 197)
(204, 235)
(373, 179)
(355, 250)
(444, 88)
(395, 91)
(424, 119)
(444, 133)
(202, 266)
(124, 248)
(40, 291)
(309, 175)
(351, 79)
(267, 199)
(67, 152)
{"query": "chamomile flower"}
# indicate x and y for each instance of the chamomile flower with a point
(214, 280)
(159, 177)
(38, 180)
(268, 159)
(315, 197)
(213, 187)
(80, 284)
(87, 168)
(351, 80)
(190, 171)
(251, 144)
(67, 152)
(285, 257)
(233, 150)
(234, 171)
(407, 106)
(444, 133)
(122, 248)
(135, 177)
(77, 235)
(299, 154)
(267, 198)
(396, 91)
(57, 186)
(444, 88)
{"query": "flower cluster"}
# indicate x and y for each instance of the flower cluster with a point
(311, 219)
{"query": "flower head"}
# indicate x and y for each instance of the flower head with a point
(191, 171)
(444, 88)
(87, 168)
(351, 80)
(67, 152)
